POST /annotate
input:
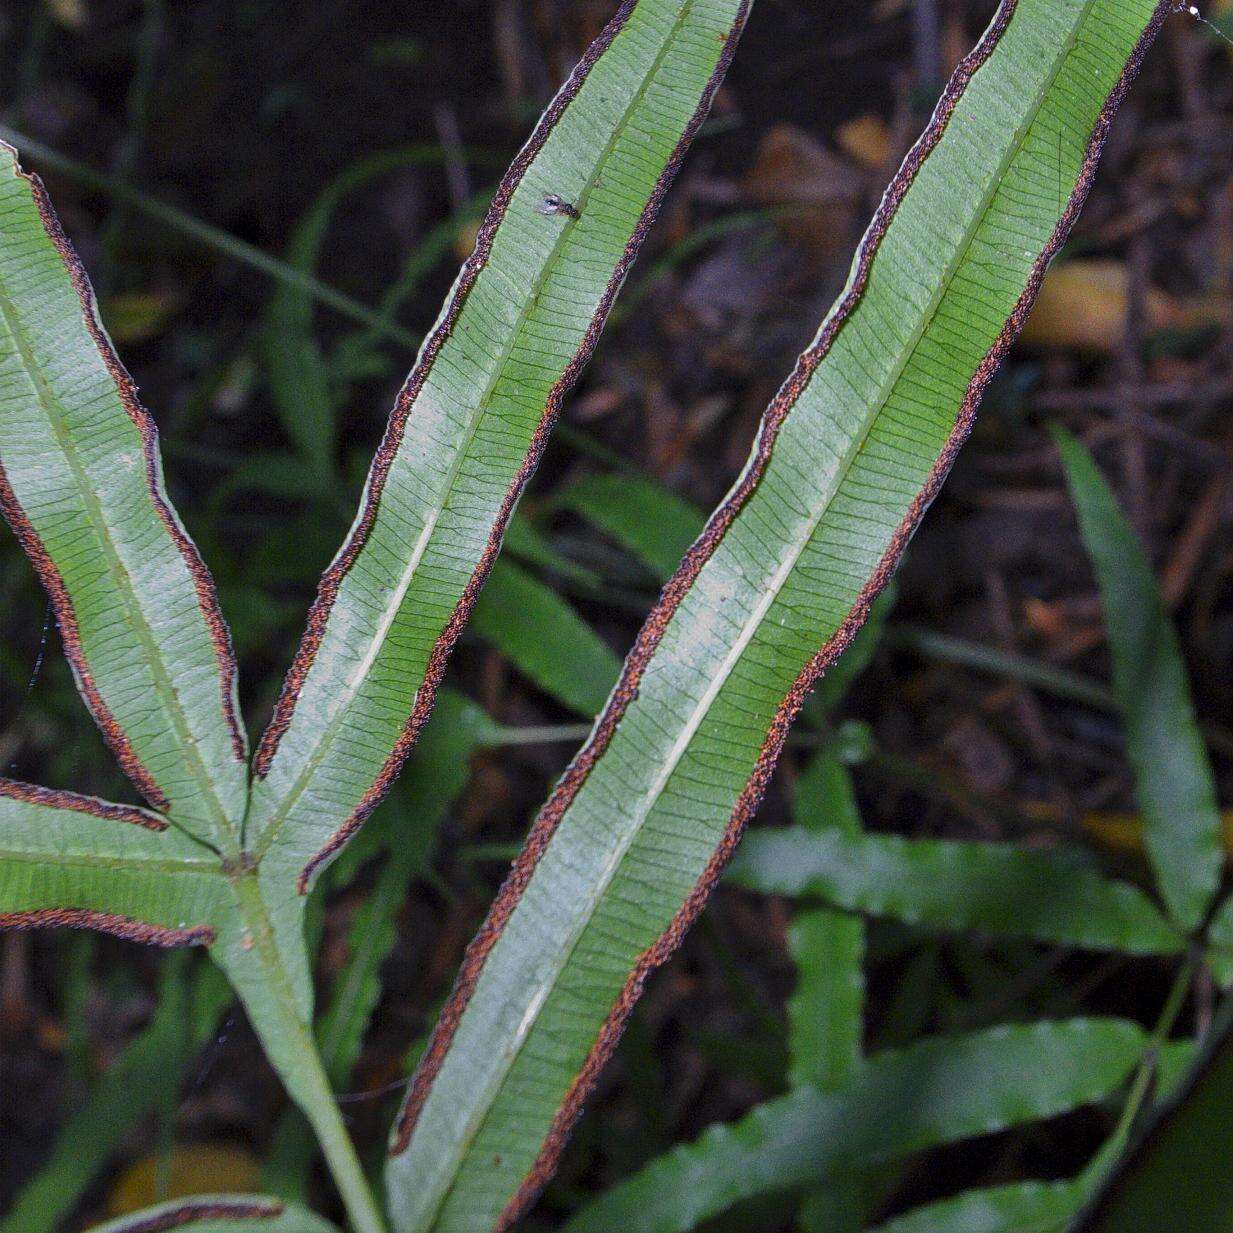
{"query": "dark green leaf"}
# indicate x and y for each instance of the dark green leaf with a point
(1173, 778)
(1052, 896)
(928, 1094)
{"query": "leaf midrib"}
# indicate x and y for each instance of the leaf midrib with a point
(271, 830)
(87, 860)
(54, 413)
(689, 730)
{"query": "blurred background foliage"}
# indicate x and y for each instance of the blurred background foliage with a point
(272, 198)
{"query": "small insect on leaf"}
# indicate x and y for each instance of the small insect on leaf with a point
(552, 204)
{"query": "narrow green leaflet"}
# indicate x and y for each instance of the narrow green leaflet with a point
(1042, 1207)
(1052, 896)
(1173, 778)
(1020, 1207)
(470, 423)
(220, 1213)
(644, 517)
(853, 449)
(826, 1009)
(73, 860)
(530, 546)
(934, 1092)
(81, 485)
(544, 637)
(183, 1023)
(825, 1025)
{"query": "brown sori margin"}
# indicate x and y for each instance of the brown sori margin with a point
(192, 1213)
(676, 588)
(108, 922)
(54, 798)
(53, 583)
(50, 576)
(332, 580)
(83, 918)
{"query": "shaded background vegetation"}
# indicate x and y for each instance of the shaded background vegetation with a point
(241, 112)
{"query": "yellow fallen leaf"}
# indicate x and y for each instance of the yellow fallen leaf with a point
(1124, 831)
(136, 316)
(70, 13)
(865, 139)
(1121, 832)
(1082, 307)
(465, 240)
(198, 1168)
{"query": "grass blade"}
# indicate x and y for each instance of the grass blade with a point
(125, 1093)
(934, 1092)
(644, 517)
(1173, 778)
(304, 396)
(852, 451)
(945, 884)
(207, 235)
(545, 638)
(81, 484)
(471, 422)
(826, 1009)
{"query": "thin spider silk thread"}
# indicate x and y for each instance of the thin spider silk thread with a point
(1192, 10)
(347, 1098)
(38, 667)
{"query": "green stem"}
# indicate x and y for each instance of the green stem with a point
(291, 1045)
(336, 1145)
(1057, 681)
(1141, 1084)
(542, 734)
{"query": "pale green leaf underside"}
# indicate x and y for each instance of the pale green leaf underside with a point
(57, 858)
(1173, 778)
(945, 884)
(68, 866)
(847, 464)
(221, 1213)
(470, 426)
(77, 465)
(933, 1092)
